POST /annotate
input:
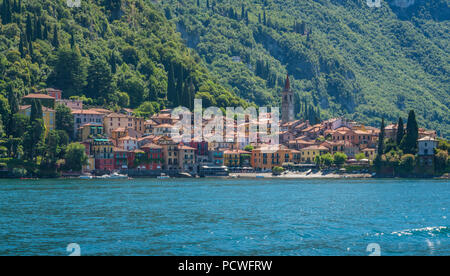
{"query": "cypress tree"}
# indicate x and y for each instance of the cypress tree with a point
(381, 139)
(171, 84)
(400, 131)
(14, 108)
(409, 141)
(179, 88)
(37, 28)
(55, 41)
(72, 41)
(29, 29)
(21, 49)
(45, 33)
(30, 50)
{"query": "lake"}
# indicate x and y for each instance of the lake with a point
(225, 216)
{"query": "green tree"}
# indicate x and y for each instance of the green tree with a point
(64, 119)
(441, 161)
(75, 157)
(381, 137)
(409, 141)
(360, 156)
(339, 158)
(277, 170)
(69, 71)
(100, 82)
(407, 163)
(400, 131)
(327, 159)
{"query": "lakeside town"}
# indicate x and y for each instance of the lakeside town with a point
(119, 143)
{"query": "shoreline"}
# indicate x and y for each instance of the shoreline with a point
(266, 175)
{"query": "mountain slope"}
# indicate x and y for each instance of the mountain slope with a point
(344, 57)
(116, 53)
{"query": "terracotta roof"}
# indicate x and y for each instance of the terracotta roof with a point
(127, 138)
(86, 112)
(184, 147)
(151, 146)
(25, 107)
(427, 138)
(119, 129)
(235, 151)
(164, 126)
(38, 96)
(116, 115)
(101, 110)
(315, 147)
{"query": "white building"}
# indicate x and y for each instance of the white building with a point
(427, 145)
(128, 143)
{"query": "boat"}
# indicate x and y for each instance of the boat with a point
(116, 175)
(163, 176)
(86, 177)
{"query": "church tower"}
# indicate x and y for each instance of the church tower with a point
(287, 105)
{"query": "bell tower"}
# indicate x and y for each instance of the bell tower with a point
(287, 105)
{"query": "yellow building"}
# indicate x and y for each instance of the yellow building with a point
(48, 115)
(308, 154)
(90, 131)
(370, 153)
(266, 159)
(236, 158)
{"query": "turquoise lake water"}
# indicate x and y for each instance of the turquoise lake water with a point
(225, 217)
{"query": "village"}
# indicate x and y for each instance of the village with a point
(124, 143)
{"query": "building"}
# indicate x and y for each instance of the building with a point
(187, 159)
(48, 116)
(170, 153)
(287, 105)
(163, 129)
(264, 158)
(72, 104)
(308, 154)
(103, 151)
(155, 158)
(202, 153)
(370, 153)
(120, 159)
(427, 145)
(45, 100)
(128, 143)
(90, 166)
(216, 157)
(83, 116)
(236, 158)
(116, 120)
(52, 92)
(139, 124)
(90, 131)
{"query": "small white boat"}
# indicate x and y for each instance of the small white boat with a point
(116, 175)
(163, 176)
(86, 177)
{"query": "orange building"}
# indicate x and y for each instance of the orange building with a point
(265, 159)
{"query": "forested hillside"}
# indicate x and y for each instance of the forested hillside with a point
(344, 57)
(115, 53)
